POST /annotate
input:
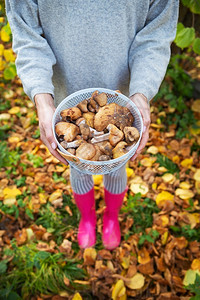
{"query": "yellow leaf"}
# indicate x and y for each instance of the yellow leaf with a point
(143, 256)
(184, 194)
(187, 163)
(152, 150)
(2, 64)
(98, 179)
(176, 159)
(1, 49)
(165, 220)
(8, 54)
(168, 177)
(197, 175)
(129, 172)
(5, 37)
(14, 110)
(13, 139)
(164, 238)
(4, 117)
(154, 186)
(162, 169)
(197, 186)
(9, 201)
(136, 282)
(77, 296)
(122, 293)
(42, 198)
(196, 105)
(55, 195)
(190, 276)
(148, 161)
(185, 185)
(125, 262)
(89, 256)
(117, 288)
(195, 264)
(11, 192)
(139, 188)
(164, 196)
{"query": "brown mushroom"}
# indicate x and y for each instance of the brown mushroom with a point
(66, 130)
(100, 138)
(86, 151)
(74, 144)
(105, 147)
(101, 99)
(115, 136)
(119, 149)
(89, 118)
(91, 108)
(113, 114)
(97, 154)
(92, 130)
(72, 151)
(71, 114)
(83, 106)
(131, 134)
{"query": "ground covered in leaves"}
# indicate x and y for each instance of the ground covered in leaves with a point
(159, 255)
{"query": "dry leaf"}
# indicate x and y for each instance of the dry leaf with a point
(89, 256)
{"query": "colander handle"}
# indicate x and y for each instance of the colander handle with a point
(68, 157)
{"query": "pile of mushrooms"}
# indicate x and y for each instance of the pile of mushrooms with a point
(97, 131)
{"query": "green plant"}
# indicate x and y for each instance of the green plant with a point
(164, 161)
(150, 237)
(194, 288)
(34, 272)
(8, 158)
(191, 234)
(141, 211)
(36, 160)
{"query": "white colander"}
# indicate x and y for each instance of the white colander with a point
(98, 167)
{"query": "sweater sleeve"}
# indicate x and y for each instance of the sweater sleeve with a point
(34, 56)
(150, 50)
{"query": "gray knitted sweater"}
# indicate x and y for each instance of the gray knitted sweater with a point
(66, 45)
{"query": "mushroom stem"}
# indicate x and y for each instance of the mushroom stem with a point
(100, 138)
(73, 144)
(93, 131)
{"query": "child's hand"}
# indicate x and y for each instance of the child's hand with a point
(45, 110)
(142, 104)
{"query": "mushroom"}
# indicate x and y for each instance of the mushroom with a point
(66, 131)
(101, 99)
(73, 144)
(100, 138)
(119, 149)
(105, 147)
(93, 132)
(89, 118)
(71, 114)
(104, 157)
(116, 135)
(91, 108)
(113, 114)
(83, 106)
(97, 154)
(86, 151)
(131, 134)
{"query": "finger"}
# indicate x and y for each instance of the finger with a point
(54, 152)
(144, 139)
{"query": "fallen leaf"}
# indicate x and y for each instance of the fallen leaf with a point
(187, 163)
(117, 289)
(152, 150)
(89, 256)
(162, 197)
(185, 185)
(168, 177)
(55, 195)
(129, 172)
(77, 296)
(139, 188)
(148, 161)
(143, 256)
(184, 194)
(11, 192)
(197, 175)
(195, 264)
(136, 282)
(190, 276)
(196, 106)
(98, 179)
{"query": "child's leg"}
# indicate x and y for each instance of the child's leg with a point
(83, 191)
(115, 186)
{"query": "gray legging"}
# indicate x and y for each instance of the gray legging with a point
(114, 182)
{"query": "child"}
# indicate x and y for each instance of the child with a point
(64, 46)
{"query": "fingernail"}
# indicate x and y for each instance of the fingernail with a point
(53, 145)
(144, 128)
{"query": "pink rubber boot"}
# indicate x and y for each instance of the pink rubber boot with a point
(111, 229)
(87, 226)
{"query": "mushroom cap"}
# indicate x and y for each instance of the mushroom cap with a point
(131, 134)
(116, 135)
(104, 157)
(101, 99)
(97, 154)
(86, 151)
(83, 105)
(68, 130)
(85, 131)
(71, 114)
(105, 147)
(119, 149)
(113, 114)
(89, 118)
